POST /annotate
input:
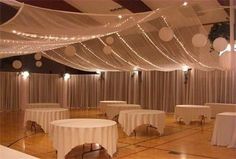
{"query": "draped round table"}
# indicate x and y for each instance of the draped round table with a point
(190, 113)
(113, 110)
(43, 116)
(69, 133)
(103, 104)
(7, 153)
(224, 133)
(131, 119)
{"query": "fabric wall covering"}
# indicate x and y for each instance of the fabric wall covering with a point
(136, 39)
(153, 89)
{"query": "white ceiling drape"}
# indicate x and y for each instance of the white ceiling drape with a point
(136, 41)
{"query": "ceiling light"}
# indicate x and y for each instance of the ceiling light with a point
(185, 4)
(66, 76)
(119, 16)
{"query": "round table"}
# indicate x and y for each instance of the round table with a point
(113, 110)
(131, 119)
(224, 133)
(190, 113)
(43, 116)
(69, 133)
(103, 104)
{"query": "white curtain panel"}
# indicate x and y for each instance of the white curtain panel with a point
(44, 88)
(9, 91)
(151, 89)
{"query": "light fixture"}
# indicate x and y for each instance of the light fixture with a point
(135, 71)
(185, 4)
(66, 76)
(119, 16)
(98, 72)
(186, 69)
(25, 74)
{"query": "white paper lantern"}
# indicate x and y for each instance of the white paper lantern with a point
(199, 40)
(38, 56)
(109, 40)
(107, 50)
(70, 51)
(17, 64)
(38, 63)
(166, 34)
(220, 44)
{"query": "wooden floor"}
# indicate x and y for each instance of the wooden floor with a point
(178, 142)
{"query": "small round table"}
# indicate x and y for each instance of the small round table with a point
(224, 133)
(69, 133)
(112, 110)
(103, 104)
(43, 116)
(189, 113)
(131, 119)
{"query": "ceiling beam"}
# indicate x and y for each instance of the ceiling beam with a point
(134, 6)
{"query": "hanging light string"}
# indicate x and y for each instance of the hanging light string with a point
(78, 65)
(118, 55)
(185, 50)
(59, 61)
(142, 58)
(107, 63)
(150, 40)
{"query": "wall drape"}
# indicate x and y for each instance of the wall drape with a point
(44, 88)
(83, 91)
(9, 91)
(153, 90)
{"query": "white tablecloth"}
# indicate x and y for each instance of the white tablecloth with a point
(221, 107)
(190, 113)
(43, 105)
(131, 119)
(43, 116)
(7, 153)
(113, 110)
(225, 130)
(103, 104)
(67, 134)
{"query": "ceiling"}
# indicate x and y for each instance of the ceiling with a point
(205, 9)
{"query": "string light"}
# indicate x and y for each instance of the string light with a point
(107, 63)
(117, 54)
(181, 44)
(122, 39)
(150, 40)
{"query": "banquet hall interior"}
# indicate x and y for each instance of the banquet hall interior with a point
(121, 79)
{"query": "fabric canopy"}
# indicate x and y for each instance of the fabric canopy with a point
(135, 39)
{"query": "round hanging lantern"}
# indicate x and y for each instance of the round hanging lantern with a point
(220, 44)
(16, 64)
(107, 50)
(70, 51)
(38, 63)
(199, 40)
(38, 56)
(109, 40)
(166, 34)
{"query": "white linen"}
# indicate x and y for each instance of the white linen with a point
(224, 133)
(131, 119)
(113, 110)
(220, 108)
(67, 134)
(43, 105)
(103, 104)
(43, 116)
(7, 153)
(190, 113)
